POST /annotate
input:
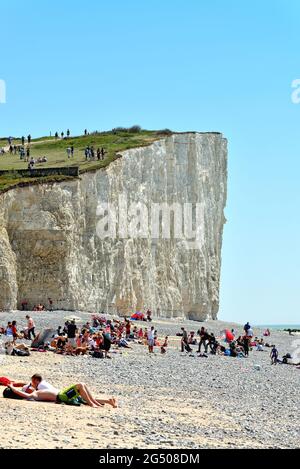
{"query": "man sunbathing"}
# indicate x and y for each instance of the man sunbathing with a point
(73, 395)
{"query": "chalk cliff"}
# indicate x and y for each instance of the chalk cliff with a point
(50, 243)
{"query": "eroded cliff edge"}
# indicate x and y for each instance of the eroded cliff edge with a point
(49, 245)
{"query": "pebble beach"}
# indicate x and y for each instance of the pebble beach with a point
(165, 401)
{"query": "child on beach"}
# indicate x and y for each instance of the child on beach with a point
(274, 355)
(164, 345)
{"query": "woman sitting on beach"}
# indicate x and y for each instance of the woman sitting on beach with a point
(233, 349)
(60, 345)
(122, 343)
(73, 395)
(220, 349)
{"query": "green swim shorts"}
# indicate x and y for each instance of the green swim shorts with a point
(69, 395)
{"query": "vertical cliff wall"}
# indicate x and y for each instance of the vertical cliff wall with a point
(49, 246)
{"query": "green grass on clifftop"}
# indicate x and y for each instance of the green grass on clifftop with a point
(113, 143)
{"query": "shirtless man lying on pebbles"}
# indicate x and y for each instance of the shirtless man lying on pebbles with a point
(73, 395)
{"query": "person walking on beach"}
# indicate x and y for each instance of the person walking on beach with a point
(274, 355)
(106, 343)
(212, 343)
(246, 346)
(204, 339)
(30, 327)
(185, 341)
(71, 333)
(150, 337)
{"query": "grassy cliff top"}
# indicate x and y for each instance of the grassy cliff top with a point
(55, 150)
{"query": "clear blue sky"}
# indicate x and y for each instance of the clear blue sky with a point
(187, 65)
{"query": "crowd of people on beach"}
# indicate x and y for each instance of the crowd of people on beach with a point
(227, 344)
(94, 338)
(100, 336)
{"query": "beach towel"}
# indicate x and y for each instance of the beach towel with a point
(5, 381)
(229, 336)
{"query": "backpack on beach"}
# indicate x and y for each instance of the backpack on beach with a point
(9, 394)
(97, 354)
(21, 353)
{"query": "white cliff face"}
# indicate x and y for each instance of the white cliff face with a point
(49, 247)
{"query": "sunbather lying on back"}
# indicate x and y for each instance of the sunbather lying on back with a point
(73, 395)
